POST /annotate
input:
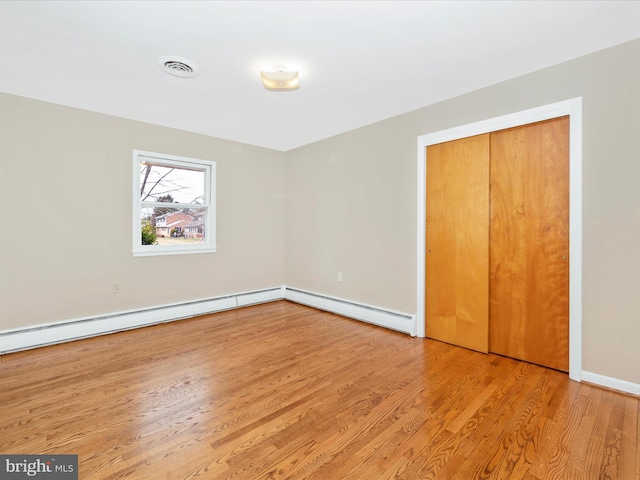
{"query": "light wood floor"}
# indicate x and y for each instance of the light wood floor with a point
(282, 391)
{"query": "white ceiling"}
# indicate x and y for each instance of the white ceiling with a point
(359, 61)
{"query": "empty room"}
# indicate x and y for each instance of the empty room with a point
(334, 240)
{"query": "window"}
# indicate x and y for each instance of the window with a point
(174, 204)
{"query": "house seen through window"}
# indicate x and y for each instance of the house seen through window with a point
(174, 209)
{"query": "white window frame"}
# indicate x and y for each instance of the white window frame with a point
(209, 204)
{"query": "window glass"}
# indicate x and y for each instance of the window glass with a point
(174, 209)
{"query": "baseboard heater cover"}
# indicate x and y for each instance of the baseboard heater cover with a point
(59, 332)
(66, 331)
(402, 322)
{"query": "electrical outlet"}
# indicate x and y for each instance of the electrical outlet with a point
(115, 288)
(339, 276)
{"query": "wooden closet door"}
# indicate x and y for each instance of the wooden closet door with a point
(457, 236)
(529, 243)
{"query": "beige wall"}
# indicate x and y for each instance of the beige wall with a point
(65, 181)
(350, 207)
(352, 200)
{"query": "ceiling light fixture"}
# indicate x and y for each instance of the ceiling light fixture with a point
(280, 81)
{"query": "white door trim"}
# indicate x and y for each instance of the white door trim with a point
(573, 108)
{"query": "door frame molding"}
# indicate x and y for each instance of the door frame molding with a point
(571, 107)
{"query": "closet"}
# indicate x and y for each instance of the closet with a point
(497, 242)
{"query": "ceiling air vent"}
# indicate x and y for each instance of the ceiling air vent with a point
(178, 66)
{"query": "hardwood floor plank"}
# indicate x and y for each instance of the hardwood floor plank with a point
(283, 391)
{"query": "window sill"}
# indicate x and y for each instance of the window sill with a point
(155, 252)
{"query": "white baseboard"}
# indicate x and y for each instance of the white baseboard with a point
(613, 383)
(66, 331)
(402, 322)
(59, 332)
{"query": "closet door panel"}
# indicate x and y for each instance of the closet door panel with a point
(529, 243)
(457, 256)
